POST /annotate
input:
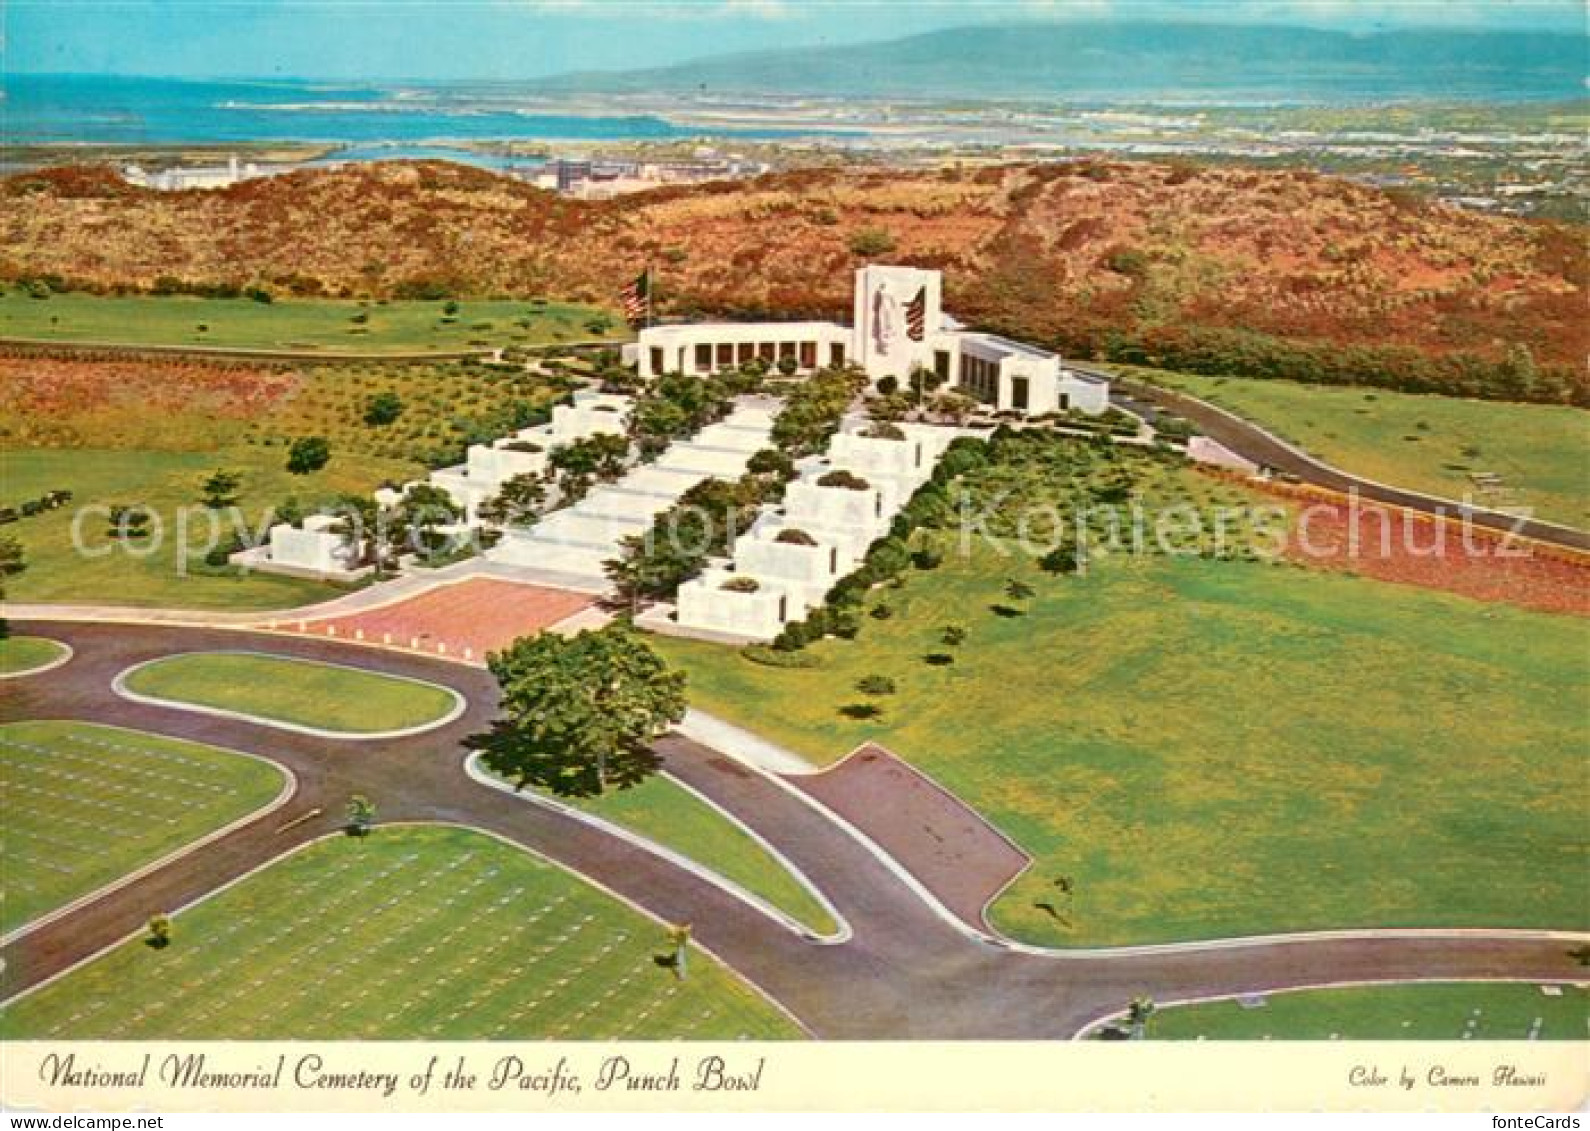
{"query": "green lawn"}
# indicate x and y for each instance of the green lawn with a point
(1427, 443)
(152, 571)
(300, 692)
(663, 811)
(85, 805)
(410, 933)
(320, 325)
(21, 654)
(1447, 1011)
(1215, 748)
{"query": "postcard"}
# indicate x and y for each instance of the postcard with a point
(848, 556)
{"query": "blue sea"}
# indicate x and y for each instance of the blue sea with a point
(113, 110)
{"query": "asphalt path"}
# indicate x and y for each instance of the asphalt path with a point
(908, 969)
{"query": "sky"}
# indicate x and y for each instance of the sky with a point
(373, 40)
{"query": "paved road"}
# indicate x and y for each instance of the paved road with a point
(907, 971)
(1248, 439)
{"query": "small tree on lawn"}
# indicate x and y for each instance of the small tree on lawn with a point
(580, 712)
(679, 939)
(361, 815)
(953, 636)
(383, 408)
(159, 931)
(307, 454)
(220, 489)
(1018, 590)
(1064, 558)
(12, 562)
(1138, 1015)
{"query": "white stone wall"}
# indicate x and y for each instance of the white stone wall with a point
(669, 349)
(315, 547)
(1091, 397)
(806, 502)
(872, 455)
(705, 605)
(591, 414)
(493, 463)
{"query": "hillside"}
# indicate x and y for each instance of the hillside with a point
(1201, 268)
(1124, 60)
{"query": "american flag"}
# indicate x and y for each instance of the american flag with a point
(637, 299)
(916, 316)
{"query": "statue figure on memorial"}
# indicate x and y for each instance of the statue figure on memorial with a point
(885, 319)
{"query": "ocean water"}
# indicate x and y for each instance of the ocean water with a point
(114, 110)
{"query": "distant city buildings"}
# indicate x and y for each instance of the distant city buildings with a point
(591, 179)
(179, 177)
(582, 177)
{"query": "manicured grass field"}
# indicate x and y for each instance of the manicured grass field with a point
(1446, 1011)
(299, 692)
(663, 811)
(301, 324)
(1214, 748)
(21, 654)
(409, 933)
(1426, 443)
(85, 805)
(90, 566)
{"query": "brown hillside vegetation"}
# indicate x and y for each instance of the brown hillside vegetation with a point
(1196, 267)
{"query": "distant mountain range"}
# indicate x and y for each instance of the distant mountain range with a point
(1119, 61)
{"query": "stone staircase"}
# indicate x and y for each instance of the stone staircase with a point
(569, 547)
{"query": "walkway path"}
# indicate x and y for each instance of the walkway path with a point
(911, 969)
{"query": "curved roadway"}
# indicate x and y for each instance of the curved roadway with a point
(908, 971)
(1249, 440)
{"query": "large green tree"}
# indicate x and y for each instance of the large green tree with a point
(580, 712)
(419, 515)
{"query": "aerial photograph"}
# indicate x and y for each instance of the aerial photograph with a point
(726, 526)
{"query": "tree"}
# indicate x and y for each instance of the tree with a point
(679, 939)
(953, 636)
(12, 562)
(159, 931)
(953, 406)
(418, 516)
(383, 408)
(651, 567)
(518, 499)
(1018, 590)
(657, 421)
(361, 815)
(361, 524)
(220, 489)
(308, 453)
(868, 242)
(580, 712)
(875, 685)
(1138, 1015)
(601, 456)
